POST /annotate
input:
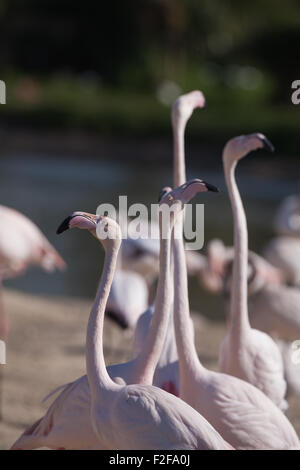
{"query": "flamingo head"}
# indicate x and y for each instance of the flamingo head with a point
(185, 192)
(238, 147)
(105, 229)
(176, 198)
(184, 106)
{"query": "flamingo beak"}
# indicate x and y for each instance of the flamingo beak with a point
(211, 187)
(64, 225)
(267, 144)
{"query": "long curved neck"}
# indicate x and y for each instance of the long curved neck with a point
(98, 377)
(179, 175)
(187, 354)
(149, 355)
(238, 306)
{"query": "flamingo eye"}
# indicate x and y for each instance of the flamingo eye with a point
(106, 228)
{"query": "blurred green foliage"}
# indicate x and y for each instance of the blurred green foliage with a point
(116, 66)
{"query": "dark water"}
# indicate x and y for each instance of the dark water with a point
(48, 188)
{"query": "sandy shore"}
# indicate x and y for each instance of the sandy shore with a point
(46, 349)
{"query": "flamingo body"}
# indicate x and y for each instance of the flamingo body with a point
(240, 412)
(128, 298)
(258, 362)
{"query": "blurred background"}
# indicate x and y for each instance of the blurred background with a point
(87, 113)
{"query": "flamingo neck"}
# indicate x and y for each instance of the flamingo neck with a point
(98, 377)
(238, 305)
(187, 354)
(179, 175)
(147, 360)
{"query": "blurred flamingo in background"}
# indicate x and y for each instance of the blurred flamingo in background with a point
(283, 251)
(273, 306)
(128, 298)
(249, 354)
(21, 244)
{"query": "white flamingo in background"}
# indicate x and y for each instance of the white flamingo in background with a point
(284, 253)
(290, 355)
(128, 298)
(21, 244)
(217, 276)
(283, 250)
(287, 219)
(124, 417)
(273, 306)
(249, 354)
(240, 412)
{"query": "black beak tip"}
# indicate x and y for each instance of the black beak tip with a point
(211, 187)
(162, 193)
(64, 225)
(116, 319)
(268, 145)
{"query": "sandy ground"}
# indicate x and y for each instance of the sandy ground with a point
(46, 349)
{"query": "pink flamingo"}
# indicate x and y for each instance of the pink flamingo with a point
(241, 413)
(167, 373)
(249, 354)
(218, 273)
(128, 298)
(123, 416)
(21, 244)
(283, 251)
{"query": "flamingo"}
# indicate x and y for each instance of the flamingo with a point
(273, 306)
(240, 412)
(167, 372)
(21, 244)
(283, 250)
(247, 353)
(287, 220)
(123, 416)
(128, 298)
(291, 368)
(284, 253)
